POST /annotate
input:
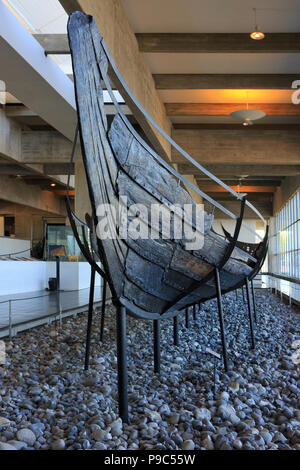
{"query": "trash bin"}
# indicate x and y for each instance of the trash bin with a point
(52, 283)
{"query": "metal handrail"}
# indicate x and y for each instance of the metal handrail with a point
(14, 254)
(294, 280)
(10, 319)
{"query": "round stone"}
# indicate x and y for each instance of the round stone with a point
(26, 435)
(58, 444)
(188, 445)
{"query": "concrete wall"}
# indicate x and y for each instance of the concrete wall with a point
(28, 221)
(21, 276)
(74, 276)
(229, 225)
(14, 245)
(238, 146)
(283, 193)
(18, 277)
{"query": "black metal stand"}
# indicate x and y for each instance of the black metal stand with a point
(243, 294)
(194, 313)
(90, 319)
(221, 321)
(175, 331)
(103, 309)
(254, 301)
(58, 272)
(187, 318)
(250, 314)
(122, 363)
(156, 345)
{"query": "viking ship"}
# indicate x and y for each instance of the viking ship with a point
(150, 278)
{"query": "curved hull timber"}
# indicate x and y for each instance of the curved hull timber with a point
(152, 278)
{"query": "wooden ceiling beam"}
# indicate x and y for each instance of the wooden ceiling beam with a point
(241, 170)
(224, 81)
(224, 109)
(238, 127)
(245, 181)
(217, 43)
(242, 189)
(192, 43)
(54, 43)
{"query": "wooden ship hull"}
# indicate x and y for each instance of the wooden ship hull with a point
(152, 278)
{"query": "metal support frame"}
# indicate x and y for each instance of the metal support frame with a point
(90, 320)
(175, 331)
(254, 301)
(250, 314)
(57, 272)
(187, 318)
(243, 293)
(122, 363)
(156, 345)
(221, 320)
(103, 309)
(194, 313)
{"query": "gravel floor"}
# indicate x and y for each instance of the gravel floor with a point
(48, 402)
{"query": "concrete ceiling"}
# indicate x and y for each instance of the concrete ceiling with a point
(212, 16)
(217, 16)
(223, 63)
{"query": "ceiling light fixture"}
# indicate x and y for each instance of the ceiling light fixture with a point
(247, 116)
(257, 35)
(52, 185)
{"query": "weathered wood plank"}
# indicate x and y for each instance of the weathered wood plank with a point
(150, 274)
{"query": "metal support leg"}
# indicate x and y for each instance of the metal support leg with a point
(250, 314)
(156, 345)
(122, 363)
(90, 319)
(194, 313)
(221, 321)
(187, 318)
(243, 294)
(103, 310)
(254, 301)
(175, 331)
(236, 295)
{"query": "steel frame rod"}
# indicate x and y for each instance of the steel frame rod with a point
(243, 294)
(122, 363)
(254, 301)
(250, 314)
(58, 272)
(90, 320)
(194, 313)
(175, 331)
(187, 318)
(156, 345)
(221, 320)
(103, 310)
